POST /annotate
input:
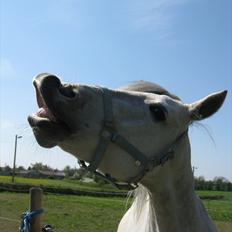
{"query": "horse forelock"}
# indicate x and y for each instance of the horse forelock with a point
(149, 87)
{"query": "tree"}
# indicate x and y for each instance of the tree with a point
(7, 168)
(40, 167)
(20, 168)
(69, 171)
(200, 183)
(220, 183)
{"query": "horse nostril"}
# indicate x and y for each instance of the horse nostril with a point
(67, 91)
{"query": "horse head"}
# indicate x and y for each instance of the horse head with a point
(144, 116)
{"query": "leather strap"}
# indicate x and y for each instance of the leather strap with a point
(99, 152)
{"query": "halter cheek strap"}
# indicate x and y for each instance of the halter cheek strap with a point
(109, 135)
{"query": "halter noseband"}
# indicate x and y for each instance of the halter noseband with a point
(109, 135)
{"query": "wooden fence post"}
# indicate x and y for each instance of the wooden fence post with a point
(35, 204)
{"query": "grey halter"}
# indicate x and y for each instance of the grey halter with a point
(109, 135)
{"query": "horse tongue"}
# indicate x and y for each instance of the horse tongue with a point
(44, 112)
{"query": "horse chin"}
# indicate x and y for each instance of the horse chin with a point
(48, 133)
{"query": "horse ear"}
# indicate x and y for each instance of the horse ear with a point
(207, 106)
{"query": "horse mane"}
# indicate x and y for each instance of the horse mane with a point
(149, 87)
(142, 195)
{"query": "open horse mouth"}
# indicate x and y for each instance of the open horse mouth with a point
(44, 111)
(50, 124)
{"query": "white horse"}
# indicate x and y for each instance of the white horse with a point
(137, 135)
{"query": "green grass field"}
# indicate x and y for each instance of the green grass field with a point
(65, 213)
(68, 213)
(65, 183)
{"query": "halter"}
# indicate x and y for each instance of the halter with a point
(109, 135)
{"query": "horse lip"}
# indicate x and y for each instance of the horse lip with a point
(44, 128)
(47, 87)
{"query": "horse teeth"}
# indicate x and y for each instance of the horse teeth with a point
(44, 112)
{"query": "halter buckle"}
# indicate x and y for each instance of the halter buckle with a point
(82, 164)
(106, 134)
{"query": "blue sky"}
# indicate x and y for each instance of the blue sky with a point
(183, 45)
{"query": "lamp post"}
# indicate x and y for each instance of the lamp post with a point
(15, 150)
(194, 168)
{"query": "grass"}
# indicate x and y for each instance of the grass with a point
(219, 210)
(65, 183)
(77, 213)
(68, 213)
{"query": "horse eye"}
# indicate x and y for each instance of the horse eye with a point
(158, 112)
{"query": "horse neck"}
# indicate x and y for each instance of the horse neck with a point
(172, 198)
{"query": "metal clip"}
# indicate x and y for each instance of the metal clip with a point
(82, 164)
(114, 137)
(47, 228)
(106, 134)
(137, 163)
